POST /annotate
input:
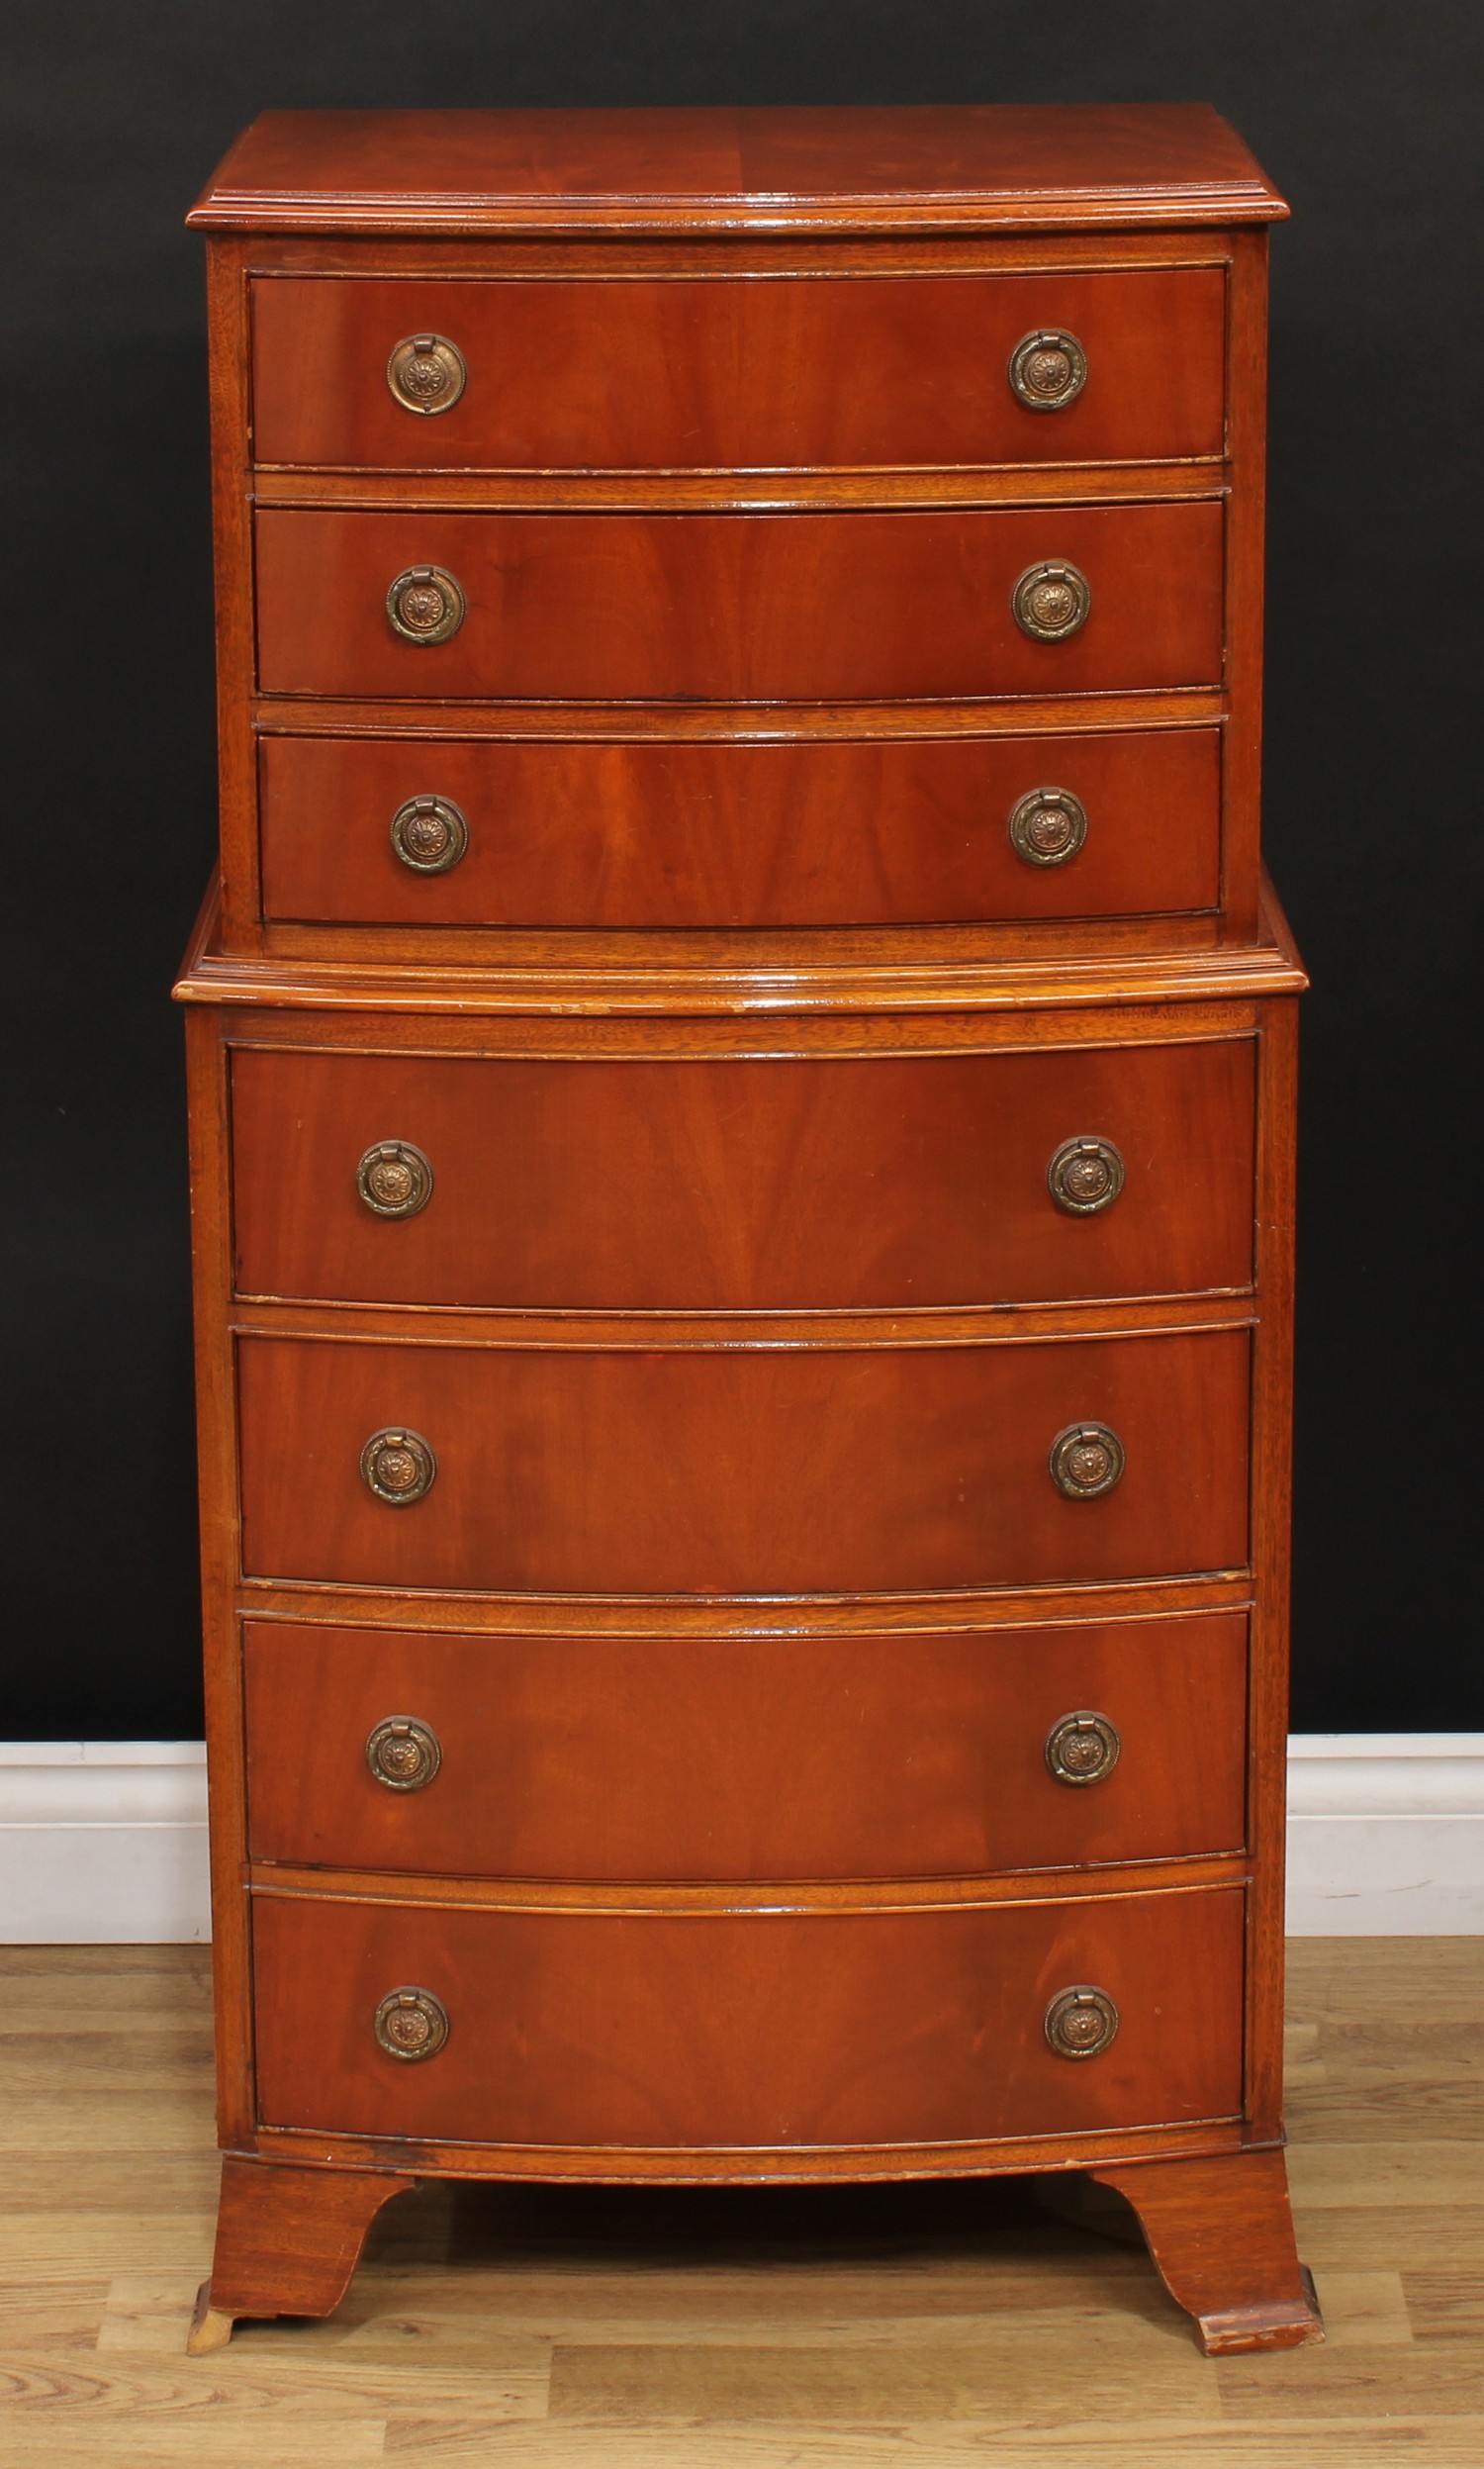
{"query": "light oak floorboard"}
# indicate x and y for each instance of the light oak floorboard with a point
(955, 2326)
(559, 2445)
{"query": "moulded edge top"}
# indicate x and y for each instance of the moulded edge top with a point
(903, 167)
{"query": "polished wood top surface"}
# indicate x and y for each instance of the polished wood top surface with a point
(961, 166)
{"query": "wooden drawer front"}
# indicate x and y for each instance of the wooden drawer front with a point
(613, 1759)
(801, 371)
(816, 833)
(788, 2028)
(761, 1186)
(838, 1470)
(826, 608)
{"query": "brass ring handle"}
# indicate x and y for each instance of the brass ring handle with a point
(398, 1466)
(1048, 826)
(425, 605)
(430, 834)
(1086, 1460)
(395, 1179)
(1085, 1175)
(1082, 1749)
(1052, 601)
(1048, 370)
(410, 2024)
(404, 1754)
(427, 373)
(1082, 2022)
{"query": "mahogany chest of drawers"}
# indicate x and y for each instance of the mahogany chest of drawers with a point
(742, 1075)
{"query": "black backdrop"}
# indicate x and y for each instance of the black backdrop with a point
(1367, 112)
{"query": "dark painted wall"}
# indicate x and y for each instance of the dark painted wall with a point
(114, 111)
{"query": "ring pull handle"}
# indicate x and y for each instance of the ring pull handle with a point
(1081, 2022)
(410, 2024)
(1048, 370)
(425, 605)
(1085, 1175)
(1052, 601)
(398, 1466)
(430, 834)
(1086, 1461)
(404, 1754)
(395, 1179)
(427, 373)
(1082, 1749)
(1048, 826)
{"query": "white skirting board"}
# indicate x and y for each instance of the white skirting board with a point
(104, 1843)
(1385, 1833)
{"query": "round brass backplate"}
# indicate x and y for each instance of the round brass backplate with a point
(430, 834)
(1082, 1749)
(404, 1754)
(395, 1180)
(425, 605)
(1086, 1460)
(1048, 826)
(1082, 2022)
(427, 373)
(1085, 1174)
(1048, 370)
(410, 2024)
(398, 1466)
(1052, 601)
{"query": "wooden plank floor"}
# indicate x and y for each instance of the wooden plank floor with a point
(845, 2329)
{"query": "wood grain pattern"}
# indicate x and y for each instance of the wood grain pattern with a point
(773, 168)
(692, 835)
(832, 2028)
(680, 373)
(750, 1472)
(779, 607)
(744, 1186)
(763, 1758)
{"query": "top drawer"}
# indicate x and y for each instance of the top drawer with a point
(756, 372)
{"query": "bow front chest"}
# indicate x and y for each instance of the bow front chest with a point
(742, 1104)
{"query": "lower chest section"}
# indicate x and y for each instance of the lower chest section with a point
(748, 1614)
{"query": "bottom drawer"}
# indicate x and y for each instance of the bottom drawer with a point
(946, 1753)
(712, 2028)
